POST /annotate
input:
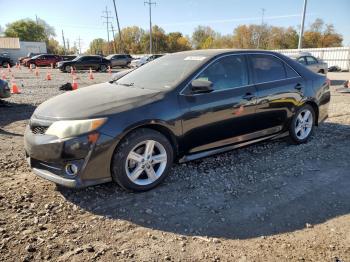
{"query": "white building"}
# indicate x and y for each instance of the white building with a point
(16, 49)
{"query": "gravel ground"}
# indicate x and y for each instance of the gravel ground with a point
(267, 202)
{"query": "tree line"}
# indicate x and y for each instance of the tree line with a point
(135, 40)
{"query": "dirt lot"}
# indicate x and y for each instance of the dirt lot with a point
(268, 202)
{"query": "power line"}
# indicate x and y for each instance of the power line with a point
(107, 17)
(114, 45)
(64, 43)
(262, 24)
(300, 43)
(150, 3)
(79, 44)
(120, 35)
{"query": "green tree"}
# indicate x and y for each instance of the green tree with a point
(320, 34)
(97, 46)
(177, 42)
(203, 37)
(26, 30)
(132, 37)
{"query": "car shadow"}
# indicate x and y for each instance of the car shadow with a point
(216, 201)
(12, 112)
(337, 82)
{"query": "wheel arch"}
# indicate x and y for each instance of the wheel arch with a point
(157, 127)
(314, 106)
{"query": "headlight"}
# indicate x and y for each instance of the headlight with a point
(69, 128)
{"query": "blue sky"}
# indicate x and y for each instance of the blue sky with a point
(82, 19)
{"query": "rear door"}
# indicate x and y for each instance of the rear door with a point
(224, 116)
(279, 92)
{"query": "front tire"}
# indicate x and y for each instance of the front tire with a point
(302, 125)
(142, 160)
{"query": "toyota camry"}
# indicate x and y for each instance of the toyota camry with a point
(177, 108)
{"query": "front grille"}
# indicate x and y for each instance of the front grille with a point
(39, 130)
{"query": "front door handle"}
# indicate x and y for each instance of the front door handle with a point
(248, 96)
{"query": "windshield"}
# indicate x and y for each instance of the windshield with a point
(77, 58)
(36, 56)
(109, 57)
(165, 72)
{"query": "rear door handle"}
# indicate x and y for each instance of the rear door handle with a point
(298, 86)
(248, 96)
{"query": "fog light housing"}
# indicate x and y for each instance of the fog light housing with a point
(71, 169)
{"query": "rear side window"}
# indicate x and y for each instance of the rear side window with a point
(227, 72)
(267, 68)
(290, 71)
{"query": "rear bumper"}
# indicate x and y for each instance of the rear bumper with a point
(49, 156)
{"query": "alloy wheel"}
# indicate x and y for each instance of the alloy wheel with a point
(146, 162)
(303, 124)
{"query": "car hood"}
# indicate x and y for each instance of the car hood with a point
(95, 101)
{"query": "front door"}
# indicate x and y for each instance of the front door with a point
(225, 115)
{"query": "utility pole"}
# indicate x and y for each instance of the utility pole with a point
(121, 49)
(68, 47)
(300, 43)
(79, 44)
(107, 17)
(262, 24)
(64, 43)
(36, 19)
(150, 3)
(114, 45)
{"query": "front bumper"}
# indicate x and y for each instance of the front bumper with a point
(49, 156)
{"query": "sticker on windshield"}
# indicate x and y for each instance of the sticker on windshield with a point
(195, 58)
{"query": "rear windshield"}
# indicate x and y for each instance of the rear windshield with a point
(163, 73)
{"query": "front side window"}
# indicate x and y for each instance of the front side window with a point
(227, 72)
(311, 60)
(267, 68)
(301, 60)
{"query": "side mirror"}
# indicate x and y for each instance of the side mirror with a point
(199, 86)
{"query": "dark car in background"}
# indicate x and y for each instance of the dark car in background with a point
(43, 60)
(180, 107)
(5, 90)
(24, 59)
(5, 61)
(68, 57)
(122, 60)
(85, 62)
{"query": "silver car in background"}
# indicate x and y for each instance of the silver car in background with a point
(122, 60)
(314, 64)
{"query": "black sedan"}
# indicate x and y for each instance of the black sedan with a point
(86, 62)
(180, 107)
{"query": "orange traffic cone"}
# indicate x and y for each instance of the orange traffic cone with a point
(48, 75)
(109, 70)
(74, 84)
(30, 68)
(91, 76)
(15, 89)
(36, 71)
(9, 68)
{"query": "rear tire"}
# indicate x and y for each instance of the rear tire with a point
(103, 68)
(302, 125)
(142, 160)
